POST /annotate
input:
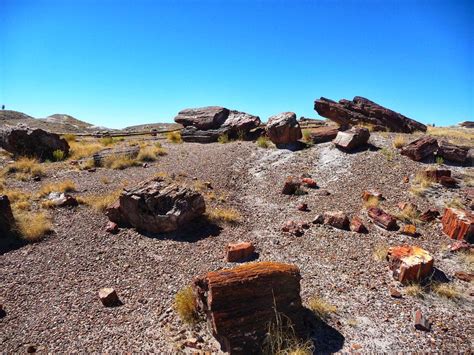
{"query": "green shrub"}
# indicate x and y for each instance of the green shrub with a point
(223, 138)
(59, 155)
(263, 142)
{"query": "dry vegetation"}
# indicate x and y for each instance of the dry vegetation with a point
(320, 307)
(32, 226)
(446, 290)
(263, 142)
(83, 149)
(399, 141)
(224, 215)
(25, 168)
(185, 305)
(174, 137)
(409, 215)
(100, 202)
(62, 186)
(119, 162)
(414, 290)
(459, 136)
(380, 252)
(372, 201)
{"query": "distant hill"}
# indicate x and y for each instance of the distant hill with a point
(150, 126)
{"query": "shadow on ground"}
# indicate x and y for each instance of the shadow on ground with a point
(10, 242)
(326, 339)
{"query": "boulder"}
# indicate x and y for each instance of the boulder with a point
(193, 135)
(363, 111)
(452, 152)
(420, 148)
(323, 134)
(458, 224)
(382, 218)
(119, 152)
(337, 220)
(291, 186)
(7, 220)
(109, 297)
(203, 118)
(238, 252)
(283, 128)
(354, 138)
(23, 141)
(410, 263)
(358, 226)
(238, 122)
(241, 302)
(156, 206)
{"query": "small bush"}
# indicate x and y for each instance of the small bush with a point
(100, 202)
(409, 215)
(399, 141)
(32, 226)
(59, 155)
(119, 162)
(455, 203)
(84, 149)
(387, 153)
(223, 138)
(174, 137)
(185, 305)
(446, 290)
(439, 160)
(107, 141)
(380, 252)
(307, 136)
(147, 155)
(225, 215)
(372, 201)
(63, 186)
(69, 137)
(321, 308)
(263, 142)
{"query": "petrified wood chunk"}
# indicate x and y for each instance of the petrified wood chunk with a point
(122, 152)
(420, 148)
(458, 224)
(283, 128)
(241, 302)
(6, 216)
(352, 139)
(410, 263)
(237, 252)
(435, 174)
(452, 152)
(382, 219)
(323, 134)
(203, 118)
(337, 220)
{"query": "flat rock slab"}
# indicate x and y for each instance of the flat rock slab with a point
(203, 118)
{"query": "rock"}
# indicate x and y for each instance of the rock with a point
(357, 226)
(464, 276)
(109, 297)
(112, 228)
(406, 179)
(409, 229)
(240, 303)
(368, 195)
(467, 124)
(429, 215)
(319, 219)
(241, 122)
(308, 182)
(323, 134)
(7, 220)
(459, 245)
(203, 118)
(410, 263)
(239, 252)
(448, 181)
(295, 228)
(458, 224)
(363, 111)
(382, 219)
(156, 206)
(395, 293)
(62, 200)
(283, 128)
(303, 207)
(291, 186)
(421, 322)
(23, 141)
(420, 148)
(452, 152)
(191, 134)
(337, 220)
(352, 139)
(435, 175)
(118, 152)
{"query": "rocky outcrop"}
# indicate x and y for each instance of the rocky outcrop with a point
(157, 206)
(452, 152)
(283, 128)
(351, 139)
(458, 224)
(203, 118)
(467, 124)
(191, 134)
(23, 141)
(240, 303)
(410, 263)
(420, 148)
(363, 111)
(241, 122)
(6, 216)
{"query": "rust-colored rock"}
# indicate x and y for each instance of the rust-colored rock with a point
(237, 252)
(357, 225)
(420, 148)
(459, 245)
(464, 276)
(323, 134)
(351, 139)
(458, 224)
(421, 322)
(368, 195)
(429, 215)
(337, 220)
(308, 182)
(303, 207)
(240, 302)
(109, 297)
(409, 229)
(112, 228)
(452, 152)
(295, 228)
(382, 218)
(291, 186)
(410, 263)
(435, 174)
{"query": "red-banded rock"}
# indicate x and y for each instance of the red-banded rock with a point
(464, 276)
(410, 263)
(236, 252)
(7, 220)
(435, 174)
(241, 302)
(452, 152)
(420, 148)
(156, 206)
(203, 118)
(382, 218)
(291, 186)
(363, 111)
(429, 215)
(358, 226)
(308, 182)
(323, 134)
(351, 139)
(458, 224)
(337, 220)
(295, 228)
(283, 128)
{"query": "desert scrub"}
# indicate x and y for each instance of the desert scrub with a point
(446, 290)
(59, 155)
(19, 200)
(263, 142)
(409, 215)
(149, 154)
(387, 153)
(69, 137)
(119, 162)
(455, 203)
(223, 138)
(25, 168)
(467, 258)
(100, 202)
(174, 137)
(439, 160)
(83, 149)
(62, 186)
(106, 141)
(420, 184)
(32, 226)
(380, 252)
(372, 201)
(307, 136)
(224, 215)
(414, 290)
(399, 142)
(185, 305)
(454, 135)
(320, 307)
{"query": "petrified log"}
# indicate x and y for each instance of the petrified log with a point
(363, 111)
(193, 135)
(241, 122)
(203, 118)
(323, 134)
(283, 128)
(237, 252)
(358, 226)
(240, 303)
(435, 175)
(123, 152)
(337, 220)
(382, 219)
(410, 263)
(458, 224)
(420, 148)
(291, 186)
(351, 139)
(6, 216)
(452, 152)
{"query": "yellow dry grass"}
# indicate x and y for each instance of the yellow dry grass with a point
(446, 290)
(25, 168)
(150, 153)
(380, 252)
(414, 290)
(409, 215)
(263, 142)
(100, 202)
(185, 305)
(460, 136)
(224, 215)
(83, 149)
(372, 201)
(399, 141)
(174, 137)
(320, 307)
(62, 186)
(32, 226)
(119, 162)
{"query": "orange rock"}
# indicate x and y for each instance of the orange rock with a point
(308, 182)
(458, 224)
(410, 263)
(409, 229)
(239, 251)
(367, 195)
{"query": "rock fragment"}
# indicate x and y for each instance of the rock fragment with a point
(108, 297)
(238, 252)
(458, 224)
(410, 263)
(420, 148)
(337, 220)
(382, 219)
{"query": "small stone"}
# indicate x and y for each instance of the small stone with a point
(91, 170)
(395, 293)
(337, 219)
(308, 182)
(303, 207)
(421, 322)
(30, 349)
(291, 186)
(319, 219)
(145, 165)
(429, 215)
(464, 276)
(406, 179)
(293, 228)
(459, 245)
(112, 228)
(239, 252)
(357, 225)
(208, 185)
(356, 346)
(109, 297)
(368, 195)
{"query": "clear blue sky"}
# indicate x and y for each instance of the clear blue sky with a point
(119, 63)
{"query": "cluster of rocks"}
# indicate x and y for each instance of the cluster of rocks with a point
(426, 147)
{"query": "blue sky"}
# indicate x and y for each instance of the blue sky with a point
(119, 63)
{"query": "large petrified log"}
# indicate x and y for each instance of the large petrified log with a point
(458, 224)
(120, 152)
(323, 134)
(193, 135)
(240, 303)
(363, 111)
(241, 122)
(283, 128)
(23, 141)
(452, 152)
(203, 118)
(6, 216)
(420, 148)
(351, 139)
(156, 206)
(410, 263)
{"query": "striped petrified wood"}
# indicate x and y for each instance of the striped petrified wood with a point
(240, 303)
(458, 224)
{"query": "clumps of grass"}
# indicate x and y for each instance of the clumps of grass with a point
(69, 137)
(224, 215)
(106, 141)
(454, 135)
(409, 214)
(414, 290)
(119, 162)
(100, 202)
(32, 226)
(83, 149)
(467, 258)
(105, 180)
(455, 203)
(149, 154)
(223, 138)
(59, 155)
(399, 142)
(263, 142)
(307, 136)
(241, 135)
(25, 168)
(185, 305)
(19, 199)
(320, 307)
(380, 252)
(439, 160)
(174, 137)
(446, 290)
(372, 201)
(63, 186)
(421, 183)
(387, 153)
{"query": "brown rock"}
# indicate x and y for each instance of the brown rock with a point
(420, 148)
(241, 122)
(112, 228)
(429, 215)
(459, 245)
(406, 179)
(367, 195)
(357, 225)
(354, 138)
(7, 220)
(464, 276)
(240, 302)
(448, 181)
(382, 219)
(458, 224)
(291, 186)
(318, 219)
(323, 134)
(308, 182)
(303, 207)
(452, 152)
(115, 152)
(295, 228)
(410, 263)
(337, 219)
(203, 118)
(238, 252)
(283, 128)
(395, 293)
(421, 322)
(109, 297)
(435, 174)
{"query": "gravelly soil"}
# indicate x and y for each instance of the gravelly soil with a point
(49, 289)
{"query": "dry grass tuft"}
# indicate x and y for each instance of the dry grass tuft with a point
(174, 137)
(83, 149)
(321, 308)
(263, 142)
(372, 201)
(32, 226)
(100, 202)
(185, 305)
(409, 215)
(224, 215)
(69, 137)
(149, 154)
(63, 186)
(223, 138)
(25, 168)
(119, 162)
(399, 142)
(420, 184)
(454, 135)
(19, 199)
(455, 203)
(380, 252)
(446, 290)
(414, 290)
(307, 136)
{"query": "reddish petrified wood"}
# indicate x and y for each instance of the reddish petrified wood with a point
(239, 251)
(367, 195)
(435, 175)
(337, 219)
(410, 263)
(357, 225)
(308, 182)
(458, 224)
(323, 134)
(420, 148)
(452, 152)
(240, 302)
(429, 215)
(382, 219)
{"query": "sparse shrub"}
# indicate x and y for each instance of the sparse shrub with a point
(387, 153)
(63, 186)
(320, 307)
(147, 154)
(158, 145)
(439, 160)
(105, 180)
(421, 183)
(174, 137)
(224, 215)
(380, 252)
(83, 149)
(372, 201)
(307, 136)
(223, 138)
(107, 141)
(414, 290)
(399, 141)
(25, 167)
(119, 162)
(455, 203)
(263, 142)
(446, 290)
(69, 137)
(100, 202)
(467, 258)
(185, 305)
(409, 215)
(352, 322)
(32, 226)
(59, 155)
